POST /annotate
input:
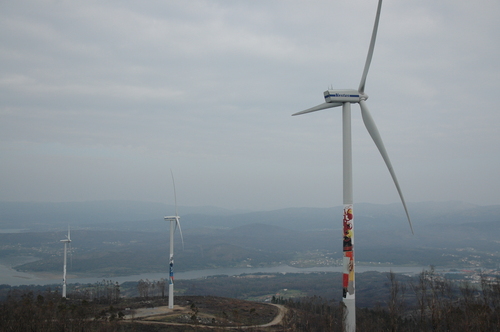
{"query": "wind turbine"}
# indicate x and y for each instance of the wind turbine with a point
(66, 241)
(344, 98)
(174, 222)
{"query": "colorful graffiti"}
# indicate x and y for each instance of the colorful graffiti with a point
(348, 232)
(171, 270)
(348, 260)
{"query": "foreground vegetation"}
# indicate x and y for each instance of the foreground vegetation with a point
(440, 306)
(427, 302)
(47, 311)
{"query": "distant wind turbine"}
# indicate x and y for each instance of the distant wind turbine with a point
(174, 223)
(344, 98)
(66, 241)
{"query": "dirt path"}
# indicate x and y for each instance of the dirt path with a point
(279, 317)
(138, 316)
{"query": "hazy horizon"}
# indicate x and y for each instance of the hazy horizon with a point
(228, 208)
(98, 101)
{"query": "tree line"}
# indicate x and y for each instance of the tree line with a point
(151, 288)
(47, 311)
(437, 304)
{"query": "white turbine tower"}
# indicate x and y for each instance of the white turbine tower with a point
(174, 223)
(66, 241)
(344, 98)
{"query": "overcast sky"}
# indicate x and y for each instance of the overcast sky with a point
(100, 99)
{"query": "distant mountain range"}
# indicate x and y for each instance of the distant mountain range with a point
(130, 215)
(127, 237)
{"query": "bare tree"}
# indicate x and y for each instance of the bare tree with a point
(396, 304)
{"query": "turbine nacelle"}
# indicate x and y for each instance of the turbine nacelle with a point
(344, 96)
(68, 238)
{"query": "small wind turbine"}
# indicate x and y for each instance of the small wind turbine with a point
(66, 241)
(174, 222)
(344, 98)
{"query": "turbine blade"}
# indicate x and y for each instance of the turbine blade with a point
(361, 88)
(70, 255)
(180, 231)
(374, 133)
(175, 194)
(318, 108)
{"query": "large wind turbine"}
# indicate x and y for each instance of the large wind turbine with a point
(174, 222)
(344, 98)
(66, 241)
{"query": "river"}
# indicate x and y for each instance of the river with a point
(12, 277)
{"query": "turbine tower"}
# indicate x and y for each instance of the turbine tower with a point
(66, 241)
(174, 223)
(344, 98)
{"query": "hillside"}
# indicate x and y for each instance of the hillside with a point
(147, 216)
(446, 234)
